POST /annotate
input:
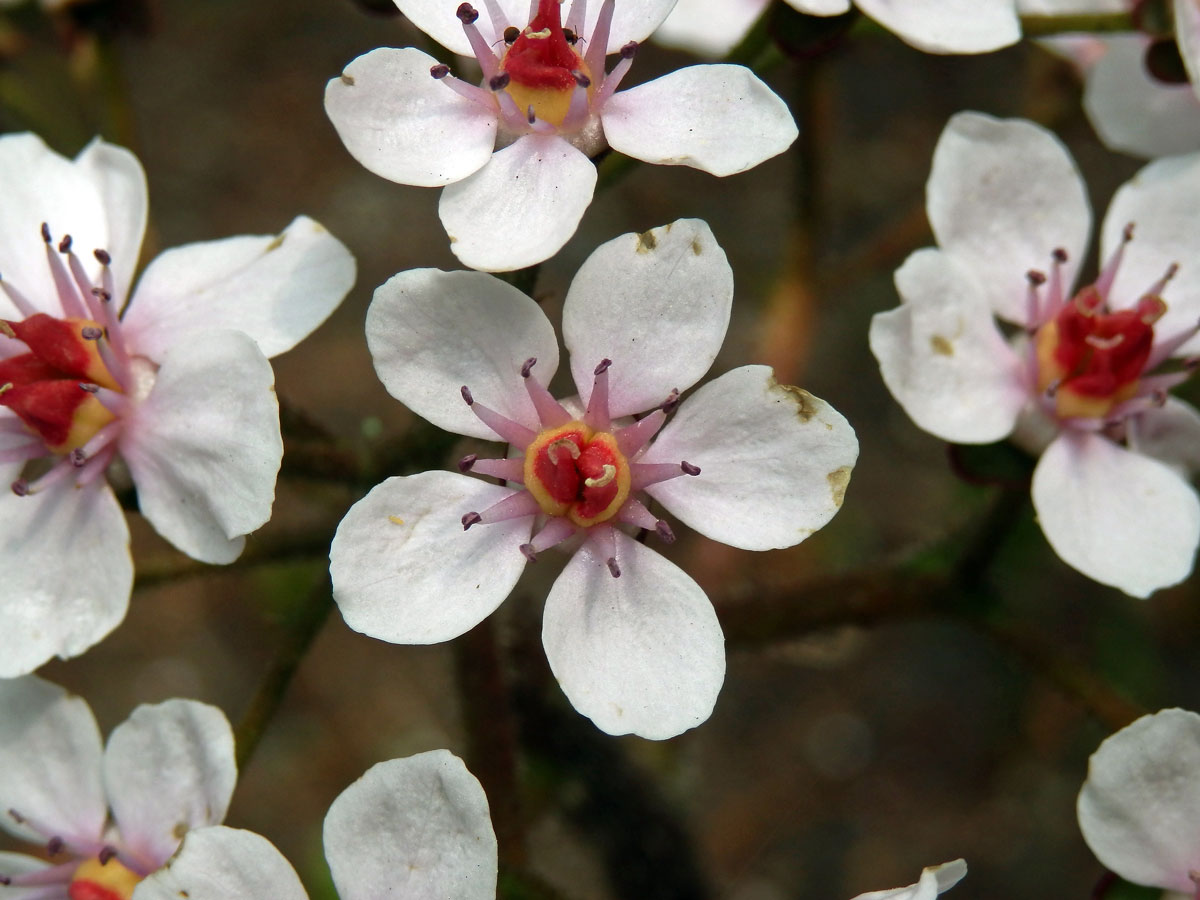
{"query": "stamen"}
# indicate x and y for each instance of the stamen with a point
(467, 462)
(54, 846)
(91, 333)
(557, 530)
(1166, 348)
(507, 430)
(1109, 273)
(439, 71)
(471, 518)
(488, 61)
(23, 452)
(582, 80)
(597, 47)
(613, 568)
(19, 300)
(645, 474)
(467, 14)
(107, 853)
(1033, 303)
(514, 506)
(1159, 286)
(64, 284)
(613, 79)
(1151, 308)
(578, 17)
(1056, 296)
(665, 534)
(499, 82)
(633, 438)
(597, 416)
(472, 92)
(688, 468)
(508, 469)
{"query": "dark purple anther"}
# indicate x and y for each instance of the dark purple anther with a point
(467, 462)
(441, 70)
(528, 552)
(20, 487)
(1036, 278)
(64, 246)
(45, 232)
(78, 458)
(105, 854)
(664, 532)
(466, 395)
(55, 845)
(91, 333)
(1059, 254)
(672, 401)
(629, 50)
(471, 518)
(5, 880)
(102, 257)
(16, 817)
(1127, 233)
(527, 366)
(689, 469)
(102, 294)
(90, 388)
(613, 568)
(530, 115)
(511, 33)
(498, 82)
(467, 14)
(582, 80)
(603, 367)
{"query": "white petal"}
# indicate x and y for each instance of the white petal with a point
(942, 356)
(1163, 202)
(774, 461)
(204, 447)
(948, 26)
(49, 762)
(276, 289)
(405, 571)
(1187, 34)
(167, 769)
(719, 118)
(67, 573)
(709, 27)
(820, 7)
(657, 304)
(1171, 434)
(934, 880)
(1139, 809)
(413, 829)
(640, 654)
(1118, 517)
(1134, 112)
(38, 185)
(220, 863)
(1002, 196)
(405, 125)
(20, 864)
(432, 332)
(521, 207)
(119, 178)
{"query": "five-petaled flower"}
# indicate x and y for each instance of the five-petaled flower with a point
(1086, 375)
(176, 382)
(514, 151)
(631, 638)
(107, 815)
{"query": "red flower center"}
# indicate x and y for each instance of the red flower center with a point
(542, 66)
(576, 472)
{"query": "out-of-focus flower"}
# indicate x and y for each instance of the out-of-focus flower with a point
(631, 638)
(178, 385)
(1139, 809)
(514, 151)
(1085, 378)
(410, 829)
(934, 880)
(107, 815)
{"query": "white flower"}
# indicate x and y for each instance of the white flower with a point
(177, 386)
(1087, 377)
(410, 829)
(107, 815)
(514, 152)
(1139, 809)
(631, 638)
(934, 880)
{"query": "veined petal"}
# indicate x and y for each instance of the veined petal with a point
(1118, 517)
(942, 356)
(657, 304)
(1163, 203)
(642, 653)
(1171, 434)
(412, 829)
(403, 124)
(19, 864)
(167, 769)
(275, 288)
(933, 881)
(49, 762)
(405, 571)
(709, 27)
(719, 118)
(431, 332)
(774, 461)
(1139, 809)
(67, 573)
(948, 26)
(204, 447)
(220, 863)
(521, 207)
(121, 182)
(1002, 196)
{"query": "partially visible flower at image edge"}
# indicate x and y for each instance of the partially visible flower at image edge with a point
(1084, 379)
(631, 638)
(514, 152)
(934, 880)
(107, 815)
(172, 383)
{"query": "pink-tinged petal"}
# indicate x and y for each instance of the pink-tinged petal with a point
(774, 461)
(119, 178)
(220, 863)
(1002, 196)
(657, 304)
(67, 573)
(167, 769)
(942, 356)
(204, 447)
(1171, 434)
(934, 880)
(1118, 517)
(413, 829)
(404, 570)
(1187, 35)
(12, 864)
(49, 763)
(521, 207)
(1139, 809)
(275, 288)
(1134, 112)
(719, 118)
(948, 26)
(38, 185)
(403, 124)
(820, 7)
(1163, 203)
(640, 654)
(709, 27)
(633, 20)
(432, 332)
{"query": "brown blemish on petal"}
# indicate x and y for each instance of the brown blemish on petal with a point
(941, 345)
(646, 241)
(838, 479)
(696, 248)
(347, 79)
(806, 408)
(276, 243)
